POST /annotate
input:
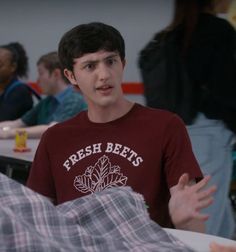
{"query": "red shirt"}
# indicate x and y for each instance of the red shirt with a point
(147, 149)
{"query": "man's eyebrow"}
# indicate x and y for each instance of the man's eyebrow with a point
(111, 56)
(96, 61)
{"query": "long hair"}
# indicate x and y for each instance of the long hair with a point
(186, 15)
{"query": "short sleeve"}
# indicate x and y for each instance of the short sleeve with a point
(40, 177)
(70, 107)
(178, 154)
(30, 118)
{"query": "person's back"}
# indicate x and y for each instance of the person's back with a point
(211, 65)
(15, 96)
(207, 46)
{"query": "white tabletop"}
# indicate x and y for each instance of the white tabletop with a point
(197, 241)
(7, 146)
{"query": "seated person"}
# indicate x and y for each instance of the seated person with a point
(15, 96)
(61, 103)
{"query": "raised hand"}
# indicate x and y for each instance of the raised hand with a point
(187, 199)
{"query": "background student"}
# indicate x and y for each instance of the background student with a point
(15, 95)
(61, 103)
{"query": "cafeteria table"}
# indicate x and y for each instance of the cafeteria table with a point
(19, 160)
(199, 242)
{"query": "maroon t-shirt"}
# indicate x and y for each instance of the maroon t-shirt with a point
(147, 149)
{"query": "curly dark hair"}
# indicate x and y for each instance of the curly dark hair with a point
(89, 38)
(19, 57)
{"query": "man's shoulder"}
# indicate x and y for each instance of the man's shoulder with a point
(73, 122)
(41, 103)
(160, 118)
(73, 97)
(17, 89)
(155, 113)
(73, 93)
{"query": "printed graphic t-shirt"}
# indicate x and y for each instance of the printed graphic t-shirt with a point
(147, 149)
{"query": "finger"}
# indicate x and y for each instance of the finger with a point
(204, 203)
(200, 216)
(201, 183)
(207, 193)
(183, 180)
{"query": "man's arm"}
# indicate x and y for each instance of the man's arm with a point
(187, 199)
(32, 132)
(12, 124)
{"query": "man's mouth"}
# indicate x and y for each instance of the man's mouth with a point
(105, 87)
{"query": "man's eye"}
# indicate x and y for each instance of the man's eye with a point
(89, 67)
(111, 61)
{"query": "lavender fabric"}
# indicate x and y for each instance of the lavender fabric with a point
(115, 219)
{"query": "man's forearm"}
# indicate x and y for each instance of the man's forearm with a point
(193, 225)
(12, 124)
(32, 132)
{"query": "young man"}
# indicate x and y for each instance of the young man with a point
(117, 142)
(61, 103)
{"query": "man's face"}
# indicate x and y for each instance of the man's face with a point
(99, 76)
(46, 80)
(7, 68)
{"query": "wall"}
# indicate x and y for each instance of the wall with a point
(39, 25)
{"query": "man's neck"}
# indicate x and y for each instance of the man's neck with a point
(60, 88)
(110, 113)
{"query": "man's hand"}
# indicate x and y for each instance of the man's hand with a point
(186, 202)
(6, 132)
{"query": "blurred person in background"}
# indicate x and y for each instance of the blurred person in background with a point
(206, 44)
(15, 96)
(61, 103)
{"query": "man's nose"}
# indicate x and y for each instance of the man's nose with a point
(104, 72)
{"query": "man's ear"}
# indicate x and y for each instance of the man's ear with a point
(57, 73)
(70, 76)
